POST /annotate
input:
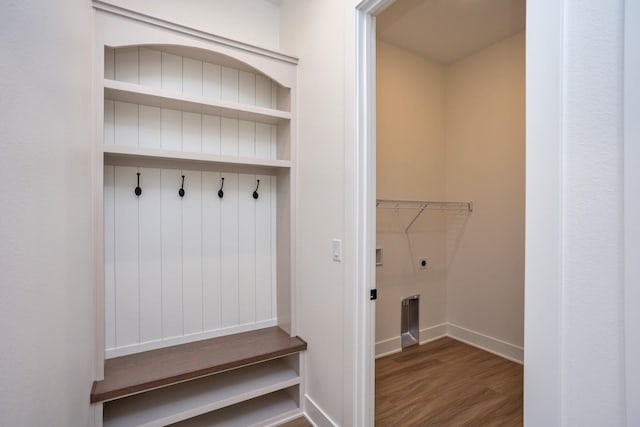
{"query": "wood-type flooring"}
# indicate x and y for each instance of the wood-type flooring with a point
(298, 422)
(446, 383)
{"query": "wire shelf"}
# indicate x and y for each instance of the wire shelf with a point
(421, 205)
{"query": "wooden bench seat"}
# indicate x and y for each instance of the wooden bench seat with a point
(140, 372)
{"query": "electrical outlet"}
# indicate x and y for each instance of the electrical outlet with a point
(378, 256)
(423, 263)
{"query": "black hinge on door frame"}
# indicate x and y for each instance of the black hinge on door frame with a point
(373, 294)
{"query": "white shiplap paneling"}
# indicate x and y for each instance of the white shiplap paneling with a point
(151, 127)
(246, 249)
(192, 252)
(229, 252)
(229, 84)
(210, 134)
(150, 67)
(192, 76)
(171, 214)
(177, 267)
(126, 124)
(109, 257)
(211, 80)
(263, 91)
(150, 255)
(246, 88)
(263, 141)
(211, 250)
(149, 130)
(185, 266)
(264, 249)
(171, 72)
(126, 64)
(191, 132)
(127, 291)
(228, 137)
(171, 129)
(246, 138)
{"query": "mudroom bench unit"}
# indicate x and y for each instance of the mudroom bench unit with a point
(241, 379)
(194, 171)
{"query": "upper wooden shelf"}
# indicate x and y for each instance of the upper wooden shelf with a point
(136, 94)
(140, 372)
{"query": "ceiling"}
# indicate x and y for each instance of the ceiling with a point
(448, 30)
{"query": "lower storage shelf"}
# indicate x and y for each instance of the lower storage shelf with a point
(261, 411)
(190, 399)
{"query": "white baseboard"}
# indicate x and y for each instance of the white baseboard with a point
(394, 345)
(387, 347)
(316, 415)
(492, 345)
(484, 342)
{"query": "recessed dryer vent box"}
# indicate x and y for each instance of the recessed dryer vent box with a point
(410, 322)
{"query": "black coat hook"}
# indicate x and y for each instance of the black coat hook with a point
(220, 192)
(181, 190)
(138, 190)
(255, 193)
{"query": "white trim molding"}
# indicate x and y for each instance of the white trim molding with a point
(315, 415)
(363, 206)
(476, 339)
(161, 23)
(544, 226)
(394, 345)
(485, 342)
(631, 209)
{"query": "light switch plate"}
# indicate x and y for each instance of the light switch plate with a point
(336, 250)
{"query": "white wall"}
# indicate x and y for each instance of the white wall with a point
(410, 148)
(256, 22)
(46, 285)
(631, 206)
(316, 32)
(592, 219)
(45, 308)
(574, 307)
(573, 359)
(485, 163)
(452, 133)
(410, 125)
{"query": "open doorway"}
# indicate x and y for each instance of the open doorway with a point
(450, 193)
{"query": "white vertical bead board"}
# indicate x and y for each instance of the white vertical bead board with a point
(150, 256)
(181, 268)
(135, 125)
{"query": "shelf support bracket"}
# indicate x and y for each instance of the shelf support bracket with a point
(406, 230)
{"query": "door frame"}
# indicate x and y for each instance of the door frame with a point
(544, 228)
(365, 195)
(364, 208)
(631, 208)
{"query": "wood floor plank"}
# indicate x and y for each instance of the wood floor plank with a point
(447, 383)
(298, 422)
